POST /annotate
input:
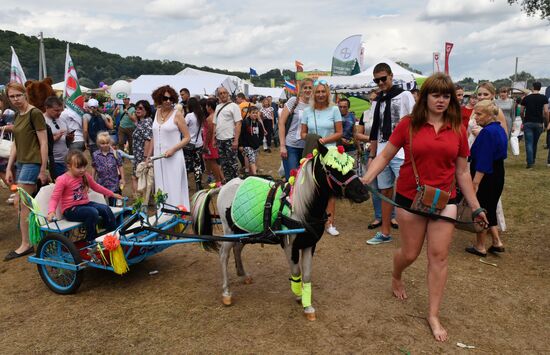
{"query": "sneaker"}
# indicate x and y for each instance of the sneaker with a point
(379, 238)
(332, 231)
(529, 166)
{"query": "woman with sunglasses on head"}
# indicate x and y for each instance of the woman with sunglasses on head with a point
(485, 91)
(170, 135)
(323, 119)
(29, 157)
(435, 145)
(292, 145)
(142, 136)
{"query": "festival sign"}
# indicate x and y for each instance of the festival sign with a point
(314, 74)
(347, 56)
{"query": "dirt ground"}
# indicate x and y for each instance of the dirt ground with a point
(502, 309)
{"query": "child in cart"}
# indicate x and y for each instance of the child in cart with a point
(71, 190)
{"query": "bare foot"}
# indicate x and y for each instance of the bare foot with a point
(398, 288)
(440, 334)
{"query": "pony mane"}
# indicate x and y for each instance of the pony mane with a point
(304, 189)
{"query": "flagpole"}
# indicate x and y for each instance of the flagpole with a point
(42, 72)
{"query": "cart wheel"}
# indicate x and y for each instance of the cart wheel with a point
(57, 247)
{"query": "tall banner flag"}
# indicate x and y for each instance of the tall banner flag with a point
(16, 70)
(253, 72)
(448, 49)
(74, 99)
(436, 63)
(347, 56)
(299, 66)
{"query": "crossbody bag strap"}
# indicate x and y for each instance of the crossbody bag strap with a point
(217, 114)
(416, 177)
(315, 120)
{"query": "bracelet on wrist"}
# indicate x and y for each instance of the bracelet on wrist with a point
(478, 211)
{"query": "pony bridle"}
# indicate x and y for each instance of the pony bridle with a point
(341, 184)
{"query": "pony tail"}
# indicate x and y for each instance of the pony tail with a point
(202, 216)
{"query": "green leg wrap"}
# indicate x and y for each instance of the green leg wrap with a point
(306, 294)
(296, 285)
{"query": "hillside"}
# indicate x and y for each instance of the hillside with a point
(94, 65)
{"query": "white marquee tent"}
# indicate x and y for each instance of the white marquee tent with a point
(364, 79)
(144, 85)
(232, 83)
(275, 93)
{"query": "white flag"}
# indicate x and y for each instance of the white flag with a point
(347, 56)
(16, 71)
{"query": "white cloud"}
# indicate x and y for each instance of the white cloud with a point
(181, 9)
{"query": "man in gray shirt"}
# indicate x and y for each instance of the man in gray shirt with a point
(61, 134)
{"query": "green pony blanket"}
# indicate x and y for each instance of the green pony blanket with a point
(247, 210)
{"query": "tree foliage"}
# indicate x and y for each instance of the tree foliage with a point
(408, 67)
(534, 7)
(94, 66)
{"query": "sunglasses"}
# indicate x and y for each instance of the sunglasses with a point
(167, 98)
(56, 125)
(380, 79)
(140, 108)
(322, 82)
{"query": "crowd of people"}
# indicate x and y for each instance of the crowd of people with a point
(406, 142)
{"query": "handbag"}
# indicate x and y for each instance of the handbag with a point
(428, 199)
(464, 217)
(5, 144)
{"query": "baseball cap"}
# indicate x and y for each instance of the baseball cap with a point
(93, 103)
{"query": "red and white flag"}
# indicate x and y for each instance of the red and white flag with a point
(448, 49)
(74, 99)
(16, 71)
(436, 62)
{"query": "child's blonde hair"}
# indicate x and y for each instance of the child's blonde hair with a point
(103, 137)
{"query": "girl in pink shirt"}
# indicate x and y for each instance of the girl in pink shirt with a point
(71, 190)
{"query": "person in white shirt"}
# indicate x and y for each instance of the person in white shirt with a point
(227, 128)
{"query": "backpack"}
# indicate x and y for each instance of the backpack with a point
(95, 125)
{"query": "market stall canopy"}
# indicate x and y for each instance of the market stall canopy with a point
(232, 83)
(144, 85)
(364, 79)
(60, 86)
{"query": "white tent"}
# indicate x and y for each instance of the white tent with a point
(364, 79)
(60, 86)
(144, 85)
(275, 93)
(232, 83)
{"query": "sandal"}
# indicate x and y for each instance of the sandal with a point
(473, 250)
(374, 225)
(394, 225)
(494, 249)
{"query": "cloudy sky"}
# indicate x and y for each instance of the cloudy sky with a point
(488, 34)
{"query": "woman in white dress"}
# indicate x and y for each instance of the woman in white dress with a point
(170, 135)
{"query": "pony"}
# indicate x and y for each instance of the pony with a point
(316, 181)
